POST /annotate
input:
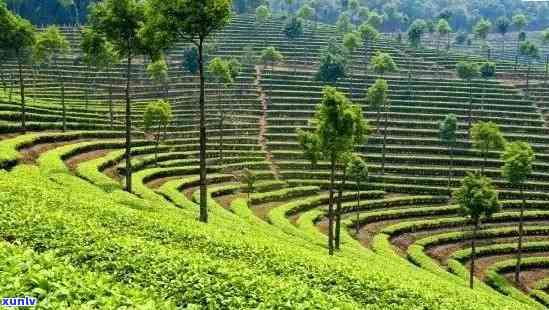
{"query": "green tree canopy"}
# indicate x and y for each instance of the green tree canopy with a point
(520, 21)
(477, 197)
(443, 27)
(482, 28)
(467, 70)
(333, 63)
(448, 129)
(306, 12)
(190, 59)
(352, 41)
(293, 28)
(383, 63)
(502, 25)
(518, 158)
(529, 50)
(271, 55)
(219, 70)
(49, 44)
(357, 170)
(487, 70)
(377, 94)
(158, 71)
(416, 31)
(368, 33)
(262, 14)
(157, 114)
(375, 20)
(343, 24)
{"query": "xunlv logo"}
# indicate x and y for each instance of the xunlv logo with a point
(19, 302)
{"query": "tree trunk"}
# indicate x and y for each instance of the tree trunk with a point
(221, 125)
(127, 156)
(546, 70)
(520, 233)
(503, 45)
(470, 104)
(386, 124)
(528, 78)
(338, 211)
(157, 144)
(111, 112)
(484, 159)
(63, 102)
(87, 95)
(450, 171)
(203, 182)
(357, 208)
(331, 208)
(473, 253)
(22, 92)
(482, 101)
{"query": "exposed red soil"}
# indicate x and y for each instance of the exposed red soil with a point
(74, 161)
(156, 183)
(30, 154)
(528, 278)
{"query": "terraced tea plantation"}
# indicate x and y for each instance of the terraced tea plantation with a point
(73, 237)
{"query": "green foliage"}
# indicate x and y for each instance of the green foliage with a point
(487, 70)
(49, 44)
(219, 69)
(119, 21)
(502, 25)
(306, 12)
(157, 115)
(448, 129)
(333, 63)
(340, 125)
(416, 31)
(16, 33)
(518, 158)
(477, 197)
(293, 28)
(487, 136)
(190, 60)
(262, 14)
(520, 21)
(234, 67)
(271, 55)
(383, 63)
(467, 70)
(352, 41)
(482, 28)
(249, 178)
(529, 50)
(196, 19)
(158, 71)
(545, 36)
(443, 27)
(310, 143)
(357, 170)
(375, 20)
(343, 24)
(368, 33)
(377, 93)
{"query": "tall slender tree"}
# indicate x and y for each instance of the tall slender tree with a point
(531, 52)
(467, 71)
(352, 42)
(486, 136)
(357, 171)
(477, 199)
(339, 127)
(520, 21)
(193, 21)
(369, 35)
(502, 27)
(17, 36)
(448, 136)
(50, 46)
(443, 29)
(156, 118)
(487, 71)
(120, 22)
(518, 158)
(220, 71)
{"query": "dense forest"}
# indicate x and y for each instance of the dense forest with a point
(464, 13)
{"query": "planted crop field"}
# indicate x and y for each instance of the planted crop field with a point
(264, 165)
